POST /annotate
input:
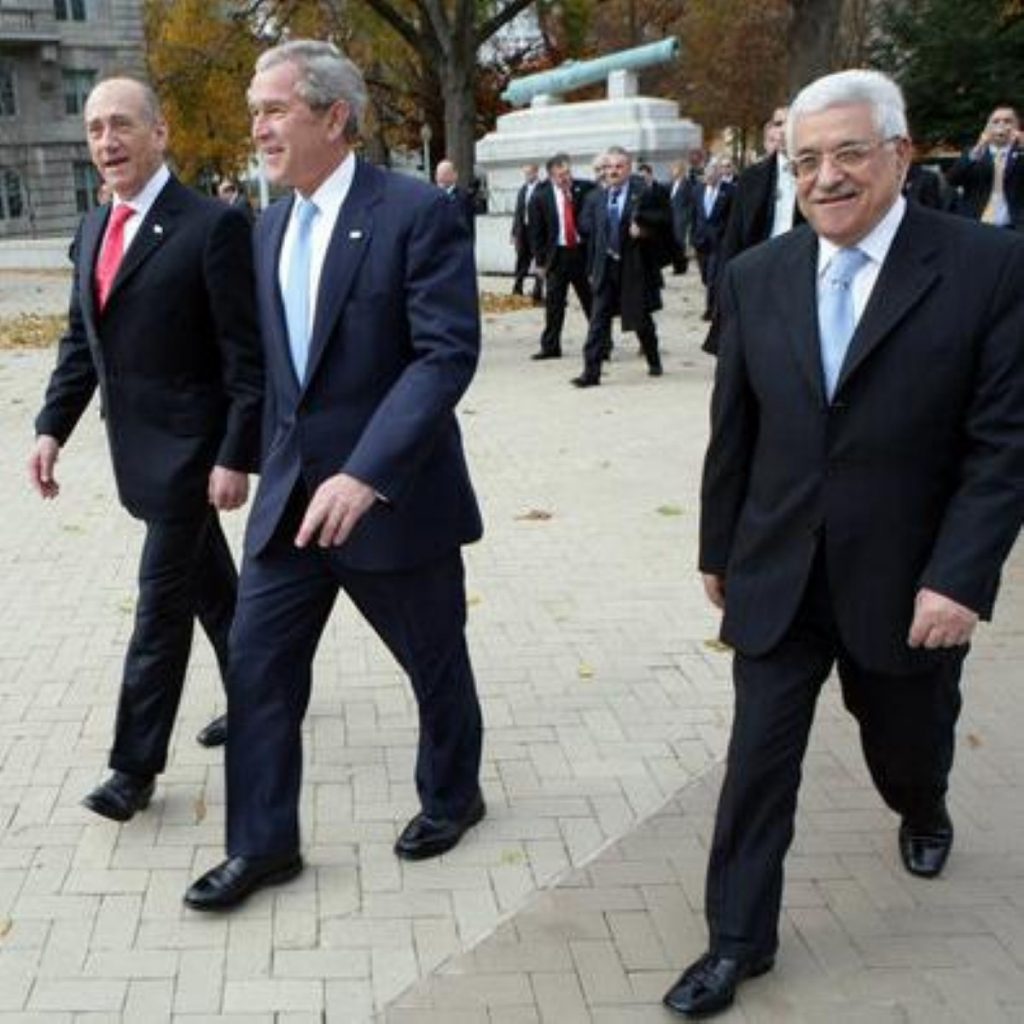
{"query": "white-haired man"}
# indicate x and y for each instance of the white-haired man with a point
(861, 490)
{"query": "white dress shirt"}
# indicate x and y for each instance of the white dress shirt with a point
(141, 204)
(785, 196)
(328, 199)
(875, 245)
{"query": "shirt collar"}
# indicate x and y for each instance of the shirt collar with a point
(332, 191)
(146, 196)
(875, 244)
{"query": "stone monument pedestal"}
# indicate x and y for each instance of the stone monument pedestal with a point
(651, 129)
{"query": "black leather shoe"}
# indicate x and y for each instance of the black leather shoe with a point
(215, 734)
(655, 370)
(234, 879)
(546, 355)
(427, 837)
(584, 381)
(924, 847)
(709, 984)
(121, 796)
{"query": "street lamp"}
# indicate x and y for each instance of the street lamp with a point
(425, 136)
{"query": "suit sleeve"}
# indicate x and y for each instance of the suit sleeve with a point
(229, 276)
(733, 437)
(962, 170)
(537, 225)
(984, 515)
(74, 378)
(442, 306)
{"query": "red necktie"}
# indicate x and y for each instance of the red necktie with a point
(569, 215)
(111, 253)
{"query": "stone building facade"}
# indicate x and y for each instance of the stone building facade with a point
(51, 52)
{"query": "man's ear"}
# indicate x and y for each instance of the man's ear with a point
(337, 119)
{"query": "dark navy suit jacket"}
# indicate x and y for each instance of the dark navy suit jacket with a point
(395, 343)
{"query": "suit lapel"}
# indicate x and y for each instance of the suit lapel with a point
(275, 330)
(349, 244)
(92, 233)
(156, 226)
(798, 285)
(906, 275)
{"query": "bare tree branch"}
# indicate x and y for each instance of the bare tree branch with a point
(386, 11)
(502, 18)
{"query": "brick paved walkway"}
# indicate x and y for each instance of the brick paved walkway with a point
(607, 708)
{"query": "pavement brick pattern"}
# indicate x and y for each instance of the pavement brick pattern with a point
(607, 705)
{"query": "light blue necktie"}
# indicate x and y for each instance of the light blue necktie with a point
(835, 313)
(296, 293)
(614, 222)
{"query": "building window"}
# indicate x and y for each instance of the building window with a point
(12, 204)
(69, 10)
(8, 98)
(87, 183)
(77, 85)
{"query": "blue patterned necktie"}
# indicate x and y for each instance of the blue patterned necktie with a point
(296, 293)
(835, 313)
(614, 222)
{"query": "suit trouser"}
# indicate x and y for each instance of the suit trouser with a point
(606, 305)
(185, 572)
(907, 727)
(285, 597)
(567, 267)
(524, 257)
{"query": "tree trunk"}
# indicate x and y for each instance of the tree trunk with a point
(460, 102)
(812, 39)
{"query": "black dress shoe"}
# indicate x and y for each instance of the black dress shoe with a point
(925, 846)
(121, 796)
(215, 734)
(709, 984)
(234, 879)
(584, 381)
(427, 837)
(655, 370)
(543, 354)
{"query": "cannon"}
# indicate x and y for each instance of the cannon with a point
(574, 74)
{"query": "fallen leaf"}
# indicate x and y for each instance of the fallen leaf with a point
(6, 924)
(200, 808)
(512, 857)
(31, 331)
(669, 510)
(585, 671)
(534, 515)
(473, 599)
(973, 740)
(717, 646)
(127, 606)
(492, 302)
(72, 528)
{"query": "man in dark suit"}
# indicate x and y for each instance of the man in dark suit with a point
(371, 329)
(763, 205)
(163, 321)
(681, 195)
(628, 228)
(521, 234)
(990, 176)
(555, 235)
(229, 191)
(862, 488)
(712, 201)
(446, 177)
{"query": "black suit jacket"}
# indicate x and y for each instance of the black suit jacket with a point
(641, 258)
(395, 343)
(708, 229)
(974, 179)
(924, 187)
(520, 220)
(681, 201)
(912, 477)
(544, 218)
(175, 353)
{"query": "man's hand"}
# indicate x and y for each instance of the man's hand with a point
(40, 466)
(228, 488)
(940, 621)
(339, 503)
(714, 587)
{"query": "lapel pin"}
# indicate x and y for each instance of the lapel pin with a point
(158, 229)
(355, 234)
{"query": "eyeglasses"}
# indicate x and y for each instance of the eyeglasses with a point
(850, 157)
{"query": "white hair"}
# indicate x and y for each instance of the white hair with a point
(845, 88)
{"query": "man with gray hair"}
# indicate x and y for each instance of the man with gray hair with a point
(862, 488)
(371, 328)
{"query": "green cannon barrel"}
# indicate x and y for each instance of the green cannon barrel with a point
(575, 74)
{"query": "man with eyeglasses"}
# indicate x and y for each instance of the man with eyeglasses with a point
(763, 205)
(990, 176)
(861, 490)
